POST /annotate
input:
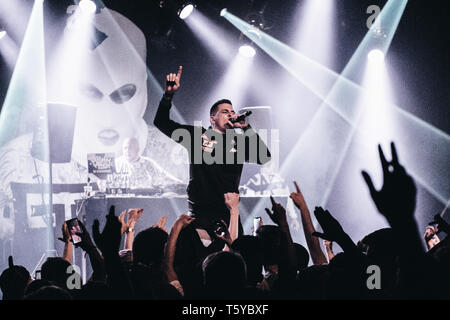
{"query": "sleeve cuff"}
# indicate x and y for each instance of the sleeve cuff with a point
(168, 96)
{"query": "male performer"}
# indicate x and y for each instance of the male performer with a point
(210, 181)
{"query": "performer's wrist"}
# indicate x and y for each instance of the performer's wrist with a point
(168, 95)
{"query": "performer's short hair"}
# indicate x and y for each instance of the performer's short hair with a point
(213, 109)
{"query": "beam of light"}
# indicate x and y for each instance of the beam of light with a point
(13, 17)
(2, 34)
(8, 49)
(186, 11)
(298, 64)
(215, 39)
(232, 85)
(426, 165)
(375, 126)
(69, 60)
(314, 30)
(334, 132)
(27, 87)
(24, 110)
(311, 34)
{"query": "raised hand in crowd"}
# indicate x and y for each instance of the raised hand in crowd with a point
(108, 241)
(333, 231)
(128, 226)
(65, 233)
(329, 248)
(317, 255)
(169, 253)
(231, 200)
(124, 225)
(441, 224)
(277, 214)
(396, 200)
(161, 223)
(68, 245)
(133, 216)
(232, 203)
(86, 241)
(298, 198)
(95, 257)
(289, 261)
(226, 236)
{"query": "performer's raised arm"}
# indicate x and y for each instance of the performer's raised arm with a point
(162, 118)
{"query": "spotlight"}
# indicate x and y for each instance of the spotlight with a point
(2, 34)
(376, 55)
(247, 51)
(87, 6)
(223, 12)
(185, 10)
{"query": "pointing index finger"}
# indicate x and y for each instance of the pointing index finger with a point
(296, 187)
(112, 210)
(272, 200)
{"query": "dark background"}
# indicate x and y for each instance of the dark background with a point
(419, 50)
(419, 53)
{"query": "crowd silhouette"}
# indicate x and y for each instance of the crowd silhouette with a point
(390, 263)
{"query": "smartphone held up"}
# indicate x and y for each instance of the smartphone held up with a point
(74, 228)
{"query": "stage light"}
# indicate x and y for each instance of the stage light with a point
(223, 12)
(376, 56)
(185, 11)
(341, 112)
(233, 84)
(88, 6)
(247, 51)
(2, 34)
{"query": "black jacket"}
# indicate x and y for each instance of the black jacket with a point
(216, 160)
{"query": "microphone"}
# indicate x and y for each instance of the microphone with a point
(241, 117)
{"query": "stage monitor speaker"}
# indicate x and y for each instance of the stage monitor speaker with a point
(61, 126)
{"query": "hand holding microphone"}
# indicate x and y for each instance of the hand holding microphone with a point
(239, 121)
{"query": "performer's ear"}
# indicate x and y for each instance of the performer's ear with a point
(212, 120)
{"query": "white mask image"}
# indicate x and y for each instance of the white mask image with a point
(112, 93)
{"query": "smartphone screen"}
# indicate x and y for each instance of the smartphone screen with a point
(256, 222)
(74, 228)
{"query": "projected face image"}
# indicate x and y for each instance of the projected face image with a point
(130, 149)
(112, 91)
